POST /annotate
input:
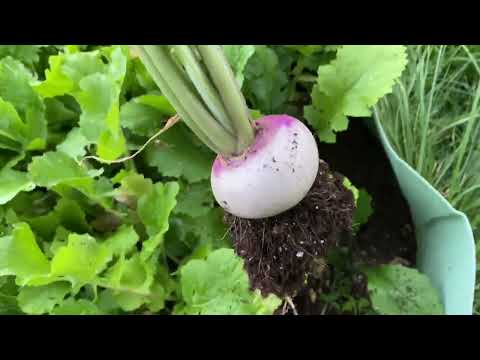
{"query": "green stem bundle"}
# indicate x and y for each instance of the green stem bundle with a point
(200, 85)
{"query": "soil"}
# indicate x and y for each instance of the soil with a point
(389, 234)
(387, 237)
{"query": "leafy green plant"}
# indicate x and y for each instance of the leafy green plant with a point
(351, 84)
(363, 203)
(218, 285)
(341, 297)
(398, 290)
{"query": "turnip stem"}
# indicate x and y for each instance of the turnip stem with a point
(205, 88)
(198, 130)
(200, 84)
(188, 104)
(224, 79)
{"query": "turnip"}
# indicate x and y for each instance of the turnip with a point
(267, 173)
(273, 175)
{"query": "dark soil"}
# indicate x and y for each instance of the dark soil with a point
(282, 250)
(387, 237)
(322, 221)
(389, 234)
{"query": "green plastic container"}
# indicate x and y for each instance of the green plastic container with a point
(446, 248)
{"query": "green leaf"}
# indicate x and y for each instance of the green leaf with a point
(129, 301)
(37, 300)
(134, 274)
(53, 168)
(8, 296)
(113, 275)
(123, 241)
(97, 87)
(67, 214)
(177, 155)
(106, 302)
(76, 307)
(58, 171)
(155, 206)
(130, 282)
(255, 114)
(88, 193)
(307, 50)
(12, 182)
(364, 208)
(182, 236)
(61, 112)
(100, 119)
(56, 83)
(136, 284)
(351, 84)
(22, 112)
(154, 211)
(60, 240)
(265, 82)
(363, 203)
(12, 128)
(146, 114)
(265, 305)
(191, 237)
(157, 298)
(141, 119)
(71, 216)
(8, 286)
(194, 199)
(21, 256)
(21, 205)
(398, 290)
(312, 62)
(81, 260)
(348, 184)
(211, 228)
(238, 56)
(28, 54)
(220, 286)
(158, 102)
(142, 76)
(78, 65)
(133, 186)
(8, 305)
(74, 144)
(332, 48)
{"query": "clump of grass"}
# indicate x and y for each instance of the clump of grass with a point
(432, 119)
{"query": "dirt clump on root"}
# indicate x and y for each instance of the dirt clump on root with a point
(282, 251)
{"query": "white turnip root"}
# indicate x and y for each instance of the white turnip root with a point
(273, 175)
